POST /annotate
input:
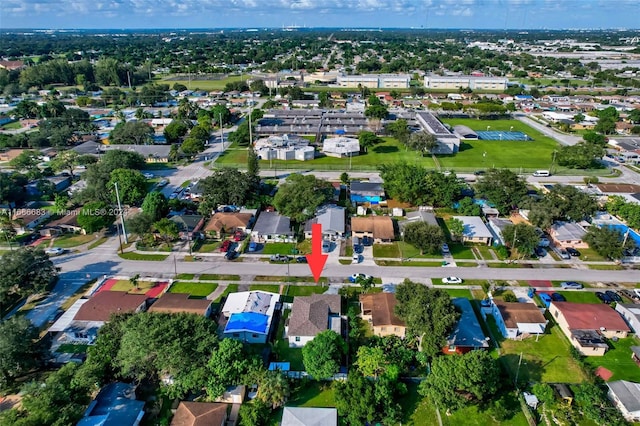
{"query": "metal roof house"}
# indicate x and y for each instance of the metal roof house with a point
(366, 192)
(568, 234)
(249, 315)
(626, 397)
(115, 405)
(332, 219)
(475, 230)
(467, 334)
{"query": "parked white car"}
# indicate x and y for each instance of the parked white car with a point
(54, 250)
(451, 280)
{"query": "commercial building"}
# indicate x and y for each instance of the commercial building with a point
(284, 147)
(375, 81)
(341, 147)
(448, 143)
(465, 81)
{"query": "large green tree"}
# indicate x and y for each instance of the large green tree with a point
(457, 381)
(563, 202)
(156, 205)
(224, 186)
(422, 142)
(607, 242)
(428, 314)
(20, 350)
(323, 355)
(132, 186)
(426, 237)
(521, 237)
(95, 216)
(65, 160)
(503, 188)
(25, 272)
(227, 366)
(367, 140)
(300, 195)
(175, 130)
(98, 175)
(582, 155)
(131, 132)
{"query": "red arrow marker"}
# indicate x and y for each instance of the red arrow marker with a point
(316, 259)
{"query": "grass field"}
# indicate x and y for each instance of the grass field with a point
(580, 296)
(69, 348)
(272, 288)
(618, 360)
(72, 240)
(306, 290)
(205, 84)
(283, 352)
(529, 155)
(312, 394)
(201, 289)
(545, 360)
(455, 292)
(219, 277)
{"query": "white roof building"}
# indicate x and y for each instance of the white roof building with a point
(309, 416)
(341, 147)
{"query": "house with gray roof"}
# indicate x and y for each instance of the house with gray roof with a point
(366, 192)
(497, 225)
(631, 314)
(272, 227)
(568, 234)
(115, 405)
(309, 416)
(417, 216)
(311, 315)
(332, 219)
(626, 397)
(475, 230)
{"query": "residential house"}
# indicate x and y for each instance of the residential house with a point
(631, 314)
(11, 65)
(496, 226)
(103, 304)
(475, 231)
(366, 192)
(417, 216)
(67, 223)
(516, 319)
(378, 310)
(171, 303)
(59, 183)
(309, 416)
(249, 315)
(568, 234)
(332, 219)
(586, 325)
(626, 397)
(191, 413)
(311, 315)
(27, 218)
(467, 334)
(380, 228)
(188, 224)
(222, 224)
(115, 405)
(272, 227)
(10, 154)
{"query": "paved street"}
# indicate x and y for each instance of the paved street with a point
(548, 131)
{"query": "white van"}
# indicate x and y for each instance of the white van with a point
(541, 173)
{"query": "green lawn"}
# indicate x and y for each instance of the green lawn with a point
(580, 296)
(590, 254)
(14, 125)
(139, 256)
(306, 290)
(618, 360)
(219, 277)
(546, 360)
(400, 249)
(386, 250)
(282, 350)
(185, 276)
(231, 288)
(200, 289)
(312, 394)
(72, 240)
(460, 251)
(272, 288)
(208, 246)
(455, 292)
(278, 248)
(529, 155)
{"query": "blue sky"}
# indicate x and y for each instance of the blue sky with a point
(500, 14)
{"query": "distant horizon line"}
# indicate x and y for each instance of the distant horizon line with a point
(297, 28)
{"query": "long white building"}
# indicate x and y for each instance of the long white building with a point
(375, 81)
(465, 81)
(448, 143)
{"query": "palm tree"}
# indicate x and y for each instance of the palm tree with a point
(273, 389)
(134, 281)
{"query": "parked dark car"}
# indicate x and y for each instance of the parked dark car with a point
(557, 297)
(479, 172)
(613, 296)
(540, 251)
(573, 252)
(301, 259)
(231, 254)
(603, 297)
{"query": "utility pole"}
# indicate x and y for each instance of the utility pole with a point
(250, 129)
(221, 132)
(124, 231)
(129, 79)
(518, 370)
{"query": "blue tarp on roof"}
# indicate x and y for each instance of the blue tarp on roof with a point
(247, 321)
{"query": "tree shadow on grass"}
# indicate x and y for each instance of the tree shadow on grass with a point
(385, 149)
(529, 371)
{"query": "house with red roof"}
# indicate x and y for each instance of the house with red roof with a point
(587, 325)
